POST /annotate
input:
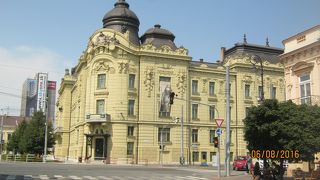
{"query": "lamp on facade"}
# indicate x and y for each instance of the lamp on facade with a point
(257, 61)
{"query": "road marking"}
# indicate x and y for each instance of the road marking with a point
(74, 177)
(27, 177)
(103, 177)
(11, 177)
(58, 176)
(116, 177)
(43, 177)
(89, 177)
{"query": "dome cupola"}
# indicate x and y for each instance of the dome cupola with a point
(122, 19)
(158, 37)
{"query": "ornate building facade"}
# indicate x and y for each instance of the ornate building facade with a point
(301, 60)
(114, 105)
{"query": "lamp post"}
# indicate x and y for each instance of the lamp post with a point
(257, 60)
(45, 133)
(1, 136)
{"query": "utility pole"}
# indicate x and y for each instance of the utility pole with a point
(182, 149)
(45, 133)
(218, 158)
(227, 149)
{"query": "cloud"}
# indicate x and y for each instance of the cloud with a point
(19, 63)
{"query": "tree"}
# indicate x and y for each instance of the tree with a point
(14, 143)
(34, 136)
(283, 126)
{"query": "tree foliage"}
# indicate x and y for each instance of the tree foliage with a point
(29, 137)
(284, 126)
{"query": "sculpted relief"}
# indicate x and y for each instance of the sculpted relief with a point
(149, 80)
(103, 66)
(181, 85)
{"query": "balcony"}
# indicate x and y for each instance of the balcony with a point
(92, 118)
(309, 100)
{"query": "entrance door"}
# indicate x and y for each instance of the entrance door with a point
(204, 156)
(99, 149)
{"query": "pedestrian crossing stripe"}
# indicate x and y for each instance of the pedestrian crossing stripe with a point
(161, 177)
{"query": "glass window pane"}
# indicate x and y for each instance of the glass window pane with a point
(194, 86)
(302, 91)
(100, 106)
(131, 80)
(247, 90)
(211, 88)
(131, 107)
(101, 81)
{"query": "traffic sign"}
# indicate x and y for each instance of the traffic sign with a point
(218, 132)
(219, 122)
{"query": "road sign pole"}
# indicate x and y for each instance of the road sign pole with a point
(219, 169)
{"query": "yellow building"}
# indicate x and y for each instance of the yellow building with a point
(301, 59)
(114, 105)
(10, 124)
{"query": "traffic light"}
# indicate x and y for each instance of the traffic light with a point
(216, 142)
(172, 94)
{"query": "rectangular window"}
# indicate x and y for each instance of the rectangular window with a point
(212, 135)
(247, 111)
(305, 89)
(131, 108)
(194, 86)
(211, 112)
(194, 111)
(247, 91)
(131, 81)
(260, 90)
(100, 106)
(195, 156)
(211, 155)
(101, 81)
(211, 88)
(130, 148)
(9, 136)
(130, 131)
(165, 134)
(194, 135)
(273, 92)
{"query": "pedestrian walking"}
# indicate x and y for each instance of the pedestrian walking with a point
(256, 171)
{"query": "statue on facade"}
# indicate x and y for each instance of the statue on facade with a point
(165, 99)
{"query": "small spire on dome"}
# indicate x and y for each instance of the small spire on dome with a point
(267, 42)
(244, 39)
(121, 3)
(157, 26)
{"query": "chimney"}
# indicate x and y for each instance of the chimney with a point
(223, 49)
(201, 60)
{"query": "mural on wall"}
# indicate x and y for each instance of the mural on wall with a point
(165, 90)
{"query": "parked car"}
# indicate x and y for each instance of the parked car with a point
(240, 163)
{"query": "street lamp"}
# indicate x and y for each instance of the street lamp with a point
(255, 59)
(1, 135)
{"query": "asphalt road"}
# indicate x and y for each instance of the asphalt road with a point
(21, 170)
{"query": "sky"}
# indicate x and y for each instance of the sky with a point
(49, 36)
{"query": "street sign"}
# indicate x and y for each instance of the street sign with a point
(219, 122)
(218, 132)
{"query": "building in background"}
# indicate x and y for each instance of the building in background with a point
(38, 93)
(301, 59)
(10, 123)
(114, 105)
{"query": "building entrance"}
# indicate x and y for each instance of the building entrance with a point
(99, 149)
